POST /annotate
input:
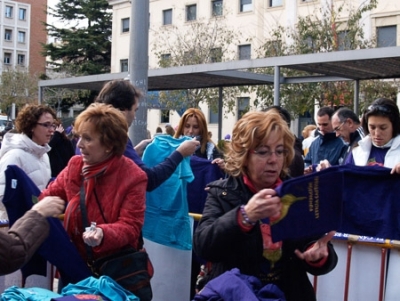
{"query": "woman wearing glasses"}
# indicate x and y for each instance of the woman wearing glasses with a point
(234, 230)
(28, 147)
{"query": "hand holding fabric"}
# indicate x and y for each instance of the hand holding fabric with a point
(318, 251)
(264, 203)
(396, 169)
(188, 147)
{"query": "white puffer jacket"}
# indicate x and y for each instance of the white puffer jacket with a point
(20, 150)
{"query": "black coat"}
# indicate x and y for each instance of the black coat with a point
(60, 153)
(219, 239)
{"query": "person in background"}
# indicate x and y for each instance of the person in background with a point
(61, 150)
(158, 131)
(125, 97)
(27, 234)
(381, 145)
(346, 125)
(297, 166)
(234, 230)
(309, 135)
(28, 147)
(113, 187)
(169, 130)
(193, 124)
(326, 146)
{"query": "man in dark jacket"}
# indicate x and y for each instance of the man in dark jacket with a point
(326, 146)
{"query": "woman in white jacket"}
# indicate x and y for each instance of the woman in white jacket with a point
(381, 145)
(27, 148)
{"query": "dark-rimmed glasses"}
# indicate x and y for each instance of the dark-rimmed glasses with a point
(50, 126)
(379, 108)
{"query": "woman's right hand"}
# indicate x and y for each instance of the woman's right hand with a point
(264, 203)
(50, 206)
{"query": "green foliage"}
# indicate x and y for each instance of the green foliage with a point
(199, 42)
(17, 86)
(335, 29)
(84, 43)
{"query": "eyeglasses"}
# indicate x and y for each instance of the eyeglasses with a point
(339, 127)
(279, 153)
(378, 108)
(48, 125)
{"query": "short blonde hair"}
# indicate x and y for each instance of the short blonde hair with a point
(109, 122)
(249, 133)
(307, 129)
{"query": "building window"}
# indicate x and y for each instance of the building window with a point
(273, 3)
(191, 12)
(215, 55)
(244, 52)
(125, 25)
(8, 34)
(386, 36)
(243, 106)
(124, 66)
(343, 41)
(21, 59)
(165, 60)
(167, 16)
(7, 58)
(216, 7)
(22, 14)
(164, 116)
(213, 117)
(9, 11)
(246, 5)
(21, 37)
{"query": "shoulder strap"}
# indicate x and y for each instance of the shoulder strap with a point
(85, 222)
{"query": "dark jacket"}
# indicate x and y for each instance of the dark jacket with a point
(220, 240)
(297, 166)
(327, 147)
(61, 151)
(22, 240)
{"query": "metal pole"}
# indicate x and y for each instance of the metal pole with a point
(220, 113)
(277, 85)
(357, 97)
(139, 64)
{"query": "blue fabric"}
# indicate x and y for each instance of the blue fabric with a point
(361, 200)
(234, 286)
(57, 248)
(15, 293)
(166, 217)
(102, 286)
(156, 173)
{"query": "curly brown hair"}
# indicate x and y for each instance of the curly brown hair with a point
(249, 132)
(109, 122)
(28, 117)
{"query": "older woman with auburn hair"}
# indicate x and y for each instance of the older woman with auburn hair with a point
(114, 187)
(234, 230)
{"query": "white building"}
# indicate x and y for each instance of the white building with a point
(253, 19)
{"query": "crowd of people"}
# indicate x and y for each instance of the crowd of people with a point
(98, 163)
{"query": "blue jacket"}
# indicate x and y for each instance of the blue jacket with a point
(159, 173)
(327, 147)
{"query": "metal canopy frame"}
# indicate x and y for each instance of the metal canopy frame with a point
(376, 63)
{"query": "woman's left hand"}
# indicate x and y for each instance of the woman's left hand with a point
(318, 251)
(396, 169)
(220, 162)
(93, 238)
